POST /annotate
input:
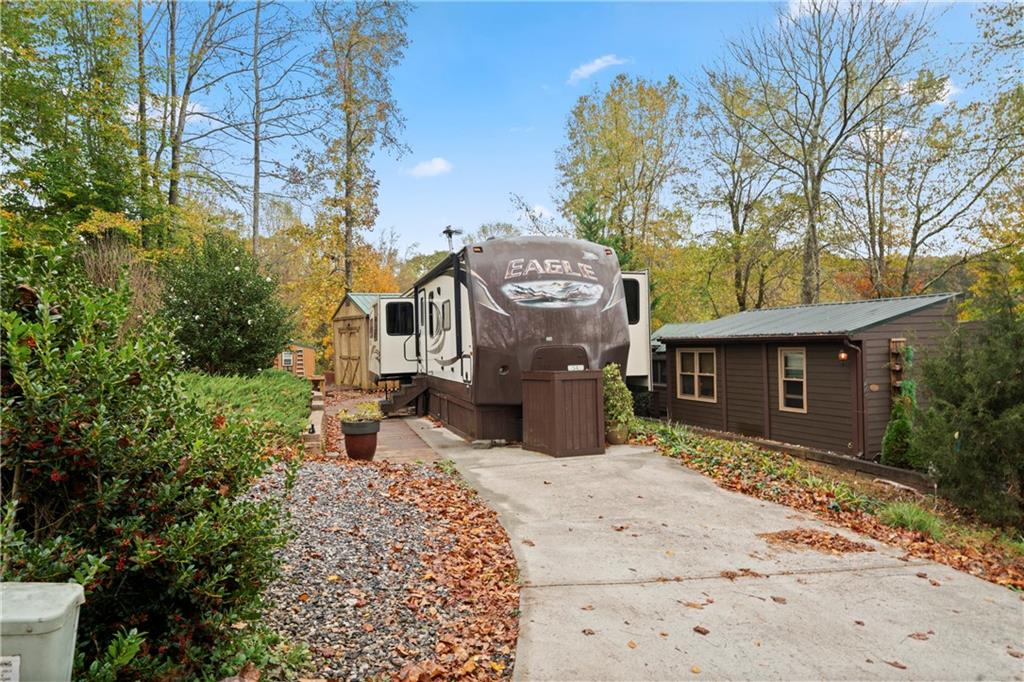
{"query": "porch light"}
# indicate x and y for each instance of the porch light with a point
(843, 356)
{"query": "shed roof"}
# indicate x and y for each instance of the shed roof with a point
(363, 300)
(818, 319)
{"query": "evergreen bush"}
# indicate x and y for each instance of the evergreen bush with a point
(972, 431)
(228, 317)
(114, 479)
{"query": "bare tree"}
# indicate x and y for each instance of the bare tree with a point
(279, 95)
(820, 76)
(741, 181)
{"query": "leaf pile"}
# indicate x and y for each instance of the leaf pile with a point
(829, 543)
(780, 478)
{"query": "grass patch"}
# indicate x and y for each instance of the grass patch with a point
(913, 517)
(273, 401)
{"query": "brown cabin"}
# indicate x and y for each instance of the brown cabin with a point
(821, 376)
(298, 358)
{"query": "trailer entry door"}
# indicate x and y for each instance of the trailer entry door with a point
(397, 336)
(636, 288)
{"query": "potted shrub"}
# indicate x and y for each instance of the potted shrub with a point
(618, 406)
(360, 427)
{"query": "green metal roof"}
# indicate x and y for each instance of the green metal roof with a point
(819, 319)
(365, 301)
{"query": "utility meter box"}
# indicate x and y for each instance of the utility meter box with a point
(38, 625)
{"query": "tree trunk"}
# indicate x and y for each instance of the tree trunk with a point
(172, 72)
(143, 151)
(257, 115)
(809, 278)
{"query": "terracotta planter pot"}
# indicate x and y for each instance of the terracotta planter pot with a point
(360, 439)
(616, 434)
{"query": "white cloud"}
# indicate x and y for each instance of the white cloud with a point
(584, 71)
(429, 169)
(949, 92)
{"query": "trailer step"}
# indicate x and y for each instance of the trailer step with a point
(404, 396)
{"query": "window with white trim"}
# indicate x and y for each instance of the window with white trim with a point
(286, 358)
(695, 374)
(793, 379)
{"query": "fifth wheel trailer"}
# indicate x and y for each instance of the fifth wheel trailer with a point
(468, 330)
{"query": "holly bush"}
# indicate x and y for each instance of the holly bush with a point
(113, 478)
(227, 315)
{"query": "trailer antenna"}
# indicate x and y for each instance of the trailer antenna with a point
(450, 232)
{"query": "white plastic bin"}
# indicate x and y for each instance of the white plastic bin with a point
(38, 626)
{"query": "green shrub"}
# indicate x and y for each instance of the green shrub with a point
(896, 441)
(618, 401)
(972, 431)
(909, 515)
(273, 401)
(116, 480)
(227, 316)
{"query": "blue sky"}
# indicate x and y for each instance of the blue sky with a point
(485, 89)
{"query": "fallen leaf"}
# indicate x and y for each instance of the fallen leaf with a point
(529, 543)
(496, 667)
(934, 582)
(692, 605)
(240, 625)
(922, 574)
(695, 670)
(303, 597)
(631, 644)
(249, 673)
(547, 482)
(588, 607)
(1015, 653)
(779, 600)
(332, 578)
(620, 528)
(588, 632)
(897, 664)
(663, 634)
(858, 622)
(367, 627)
(700, 630)
(921, 636)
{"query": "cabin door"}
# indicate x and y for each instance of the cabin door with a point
(637, 289)
(396, 336)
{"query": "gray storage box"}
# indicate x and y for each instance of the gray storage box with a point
(38, 625)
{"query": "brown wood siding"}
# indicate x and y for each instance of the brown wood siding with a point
(828, 422)
(744, 389)
(697, 412)
(924, 330)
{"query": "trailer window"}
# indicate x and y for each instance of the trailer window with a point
(399, 318)
(696, 375)
(631, 287)
(793, 380)
(431, 307)
(446, 315)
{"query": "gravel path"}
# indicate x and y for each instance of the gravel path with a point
(349, 569)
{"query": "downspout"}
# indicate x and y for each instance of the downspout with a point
(858, 399)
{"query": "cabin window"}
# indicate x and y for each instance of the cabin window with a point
(696, 375)
(286, 358)
(793, 379)
(446, 315)
(632, 289)
(399, 318)
(660, 375)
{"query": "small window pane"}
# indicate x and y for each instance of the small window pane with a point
(686, 384)
(794, 365)
(631, 287)
(446, 315)
(286, 359)
(399, 318)
(793, 394)
(686, 362)
(707, 387)
(707, 363)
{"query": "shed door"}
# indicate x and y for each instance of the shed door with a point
(349, 352)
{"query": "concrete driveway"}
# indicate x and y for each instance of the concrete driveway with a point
(622, 557)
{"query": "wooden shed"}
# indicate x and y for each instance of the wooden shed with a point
(821, 376)
(299, 359)
(350, 327)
